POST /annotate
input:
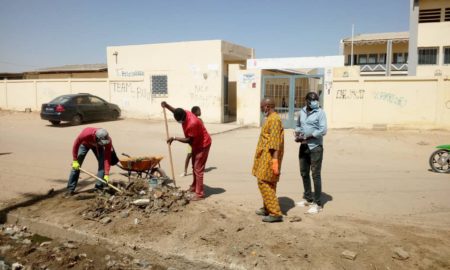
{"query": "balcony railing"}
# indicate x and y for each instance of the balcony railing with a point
(382, 68)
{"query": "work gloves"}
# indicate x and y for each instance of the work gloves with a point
(75, 165)
(106, 178)
(275, 167)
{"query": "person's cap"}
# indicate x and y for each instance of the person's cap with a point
(102, 136)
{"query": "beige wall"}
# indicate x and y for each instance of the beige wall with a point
(248, 97)
(194, 70)
(407, 102)
(430, 4)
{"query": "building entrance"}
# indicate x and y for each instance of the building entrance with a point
(288, 92)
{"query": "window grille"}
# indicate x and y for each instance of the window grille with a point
(430, 15)
(447, 55)
(428, 56)
(159, 85)
(447, 15)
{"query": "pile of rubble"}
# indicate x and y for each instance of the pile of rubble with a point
(23, 250)
(140, 196)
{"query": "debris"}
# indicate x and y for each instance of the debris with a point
(69, 245)
(141, 202)
(400, 254)
(136, 221)
(295, 219)
(105, 220)
(162, 199)
(350, 255)
(124, 214)
(43, 244)
(16, 266)
(239, 229)
(9, 231)
(26, 241)
(3, 249)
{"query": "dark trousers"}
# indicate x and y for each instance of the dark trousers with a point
(311, 161)
(75, 174)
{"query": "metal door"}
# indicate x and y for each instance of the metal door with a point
(288, 92)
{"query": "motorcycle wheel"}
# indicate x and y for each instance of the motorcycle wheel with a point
(440, 161)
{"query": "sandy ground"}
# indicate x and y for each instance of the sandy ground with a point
(377, 185)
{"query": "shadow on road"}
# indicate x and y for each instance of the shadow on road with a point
(210, 169)
(286, 204)
(212, 191)
(68, 124)
(326, 198)
(33, 198)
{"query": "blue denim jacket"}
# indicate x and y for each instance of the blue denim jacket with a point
(313, 123)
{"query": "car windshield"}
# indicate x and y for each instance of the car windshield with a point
(60, 100)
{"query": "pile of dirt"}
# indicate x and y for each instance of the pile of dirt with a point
(22, 249)
(140, 196)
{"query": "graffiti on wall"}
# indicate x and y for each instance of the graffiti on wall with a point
(129, 74)
(131, 90)
(391, 98)
(202, 97)
(350, 94)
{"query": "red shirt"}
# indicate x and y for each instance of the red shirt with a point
(88, 139)
(193, 128)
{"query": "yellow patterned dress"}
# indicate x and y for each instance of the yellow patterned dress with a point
(271, 137)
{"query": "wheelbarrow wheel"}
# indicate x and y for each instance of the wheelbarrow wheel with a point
(158, 172)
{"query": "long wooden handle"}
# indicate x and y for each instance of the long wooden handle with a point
(170, 148)
(101, 180)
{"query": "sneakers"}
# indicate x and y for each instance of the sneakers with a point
(262, 212)
(314, 209)
(271, 219)
(304, 203)
(69, 194)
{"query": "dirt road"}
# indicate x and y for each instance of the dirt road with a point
(379, 193)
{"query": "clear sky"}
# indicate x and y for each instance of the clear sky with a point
(45, 33)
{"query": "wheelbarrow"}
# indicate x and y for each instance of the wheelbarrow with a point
(144, 167)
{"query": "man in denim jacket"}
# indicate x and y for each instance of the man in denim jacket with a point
(310, 128)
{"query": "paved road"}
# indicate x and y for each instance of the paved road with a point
(366, 174)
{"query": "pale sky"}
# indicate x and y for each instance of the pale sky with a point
(45, 33)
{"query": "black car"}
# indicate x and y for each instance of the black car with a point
(78, 108)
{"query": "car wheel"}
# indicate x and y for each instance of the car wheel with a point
(76, 120)
(55, 123)
(115, 115)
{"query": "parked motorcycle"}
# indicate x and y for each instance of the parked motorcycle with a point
(440, 159)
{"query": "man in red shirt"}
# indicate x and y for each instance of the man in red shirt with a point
(197, 136)
(97, 140)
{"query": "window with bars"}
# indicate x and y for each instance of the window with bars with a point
(447, 55)
(372, 58)
(428, 56)
(429, 15)
(362, 59)
(400, 58)
(447, 15)
(382, 58)
(159, 85)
